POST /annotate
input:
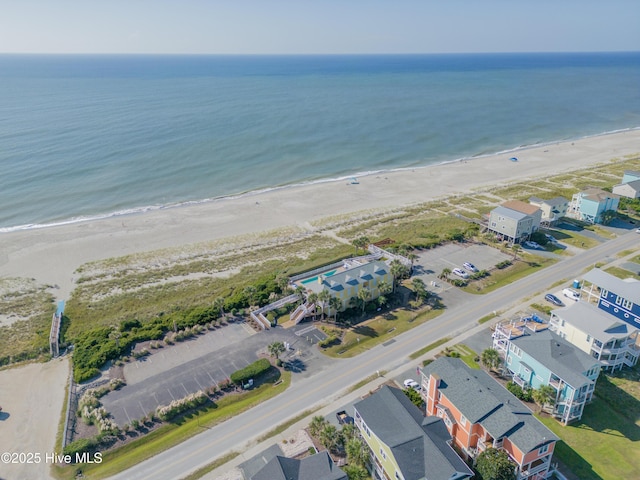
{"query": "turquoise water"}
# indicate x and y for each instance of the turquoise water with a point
(95, 136)
(315, 279)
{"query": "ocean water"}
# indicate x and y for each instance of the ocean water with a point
(94, 136)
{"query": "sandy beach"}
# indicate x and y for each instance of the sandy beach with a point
(51, 255)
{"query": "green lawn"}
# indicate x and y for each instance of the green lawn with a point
(378, 330)
(620, 273)
(175, 432)
(575, 239)
(500, 278)
(466, 355)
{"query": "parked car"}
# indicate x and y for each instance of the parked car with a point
(344, 418)
(551, 238)
(459, 272)
(411, 383)
(637, 230)
(470, 266)
(553, 299)
(531, 244)
(570, 293)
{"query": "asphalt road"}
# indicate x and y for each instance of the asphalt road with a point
(328, 384)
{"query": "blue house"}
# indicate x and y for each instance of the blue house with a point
(535, 357)
(630, 176)
(590, 204)
(617, 297)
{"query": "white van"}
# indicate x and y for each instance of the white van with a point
(570, 293)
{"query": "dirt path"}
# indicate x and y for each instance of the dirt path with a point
(32, 399)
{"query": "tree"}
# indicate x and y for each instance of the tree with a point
(356, 451)
(363, 295)
(317, 424)
(275, 349)
(412, 257)
(608, 216)
(398, 270)
(218, 304)
(329, 437)
(324, 297)
(250, 292)
(444, 275)
(283, 282)
(491, 358)
(360, 242)
(415, 397)
(544, 395)
(384, 288)
(493, 464)
(312, 299)
(516, 249)
(419, 288)
(356, 472)
(300, 292)
(334, 305)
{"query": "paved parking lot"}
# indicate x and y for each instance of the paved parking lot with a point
(173, 372)
(430, 263)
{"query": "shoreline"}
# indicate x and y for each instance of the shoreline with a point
(327, 180)
(51, 255)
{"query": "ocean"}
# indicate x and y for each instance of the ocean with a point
(86, 137)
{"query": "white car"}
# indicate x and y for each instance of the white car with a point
(532, 245)
(411, 383)
(459, 272)
(470, 266)
(637, 230)
(570, 293)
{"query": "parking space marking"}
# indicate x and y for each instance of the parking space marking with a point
(126, 414)
(185, 388)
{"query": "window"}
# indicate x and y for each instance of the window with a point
(544, 449)
(588, 338)
(619, 300)
(516, 351)
(382, 454)
(493, 224)
(463, 420)
(627, 304)
(604, 293)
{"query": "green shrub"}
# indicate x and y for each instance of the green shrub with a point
(253, 370)
(518, 392)
(79, 446)
(503, 264)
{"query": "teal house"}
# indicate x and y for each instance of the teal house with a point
(591, 204)
(544, 358)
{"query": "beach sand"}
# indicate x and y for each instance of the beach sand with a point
(32, 397)
(51, 255)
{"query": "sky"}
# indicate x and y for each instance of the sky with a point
(318, 26)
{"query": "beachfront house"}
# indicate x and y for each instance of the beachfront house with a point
(480, 413)
(541, 357)
(591, 205)
(617, 297)
(514, 221)
(552, 210)
(403, 443)
(315, 467)
(597, 333)
(630, 185)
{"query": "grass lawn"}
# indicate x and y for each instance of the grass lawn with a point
(500, 278)
(429, 347)
(603, 445)
(378, 330)
(174, 432)
(466, 355)
(575, 239)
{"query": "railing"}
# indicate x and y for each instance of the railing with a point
(382, 252)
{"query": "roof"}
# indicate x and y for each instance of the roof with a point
(507, 212)
(634, 173)
(593, 321)
(315, 467)
(483, 400)
(559, 356)
(350, 277)
(553, 202)
(521, 207)
(419, 444)
(634, 184)
(629, 290)
(597, 194)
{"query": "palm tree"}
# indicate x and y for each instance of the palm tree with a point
(312, 300)
(363, 295)
(491, 358)
(329, 437)
(300, 292)
(360, 242)
(334, 305)
(324, 297)
(544, 395)
(412, 257)
(384, 288)
(419, 288)
(398, 270)
(250, 292)
(516, 248)
(444, 275)
(218, 304)
(282, 281)
(317, 424)
(275, 349)
(356, 452)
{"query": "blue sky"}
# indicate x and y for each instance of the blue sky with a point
(319, 26)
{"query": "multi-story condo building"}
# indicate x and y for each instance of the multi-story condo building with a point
(480, 413)
(403, 443)
(619, 298)
(544, 358)
(604, 337)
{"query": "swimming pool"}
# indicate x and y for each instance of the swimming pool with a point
(315, 279)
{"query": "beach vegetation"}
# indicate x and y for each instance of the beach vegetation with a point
(251, 371)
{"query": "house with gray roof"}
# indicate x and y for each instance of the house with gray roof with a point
(479, 413)
(514, 221)
(552, 209)
(613, 342)
(541, 357)
(629, 189)
(403, 443)
(315, 467)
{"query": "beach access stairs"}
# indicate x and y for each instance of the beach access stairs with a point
(54, 333)
(263, 322)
